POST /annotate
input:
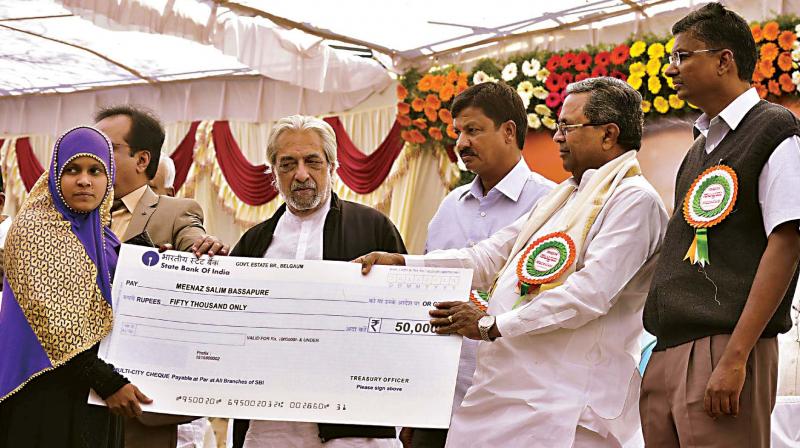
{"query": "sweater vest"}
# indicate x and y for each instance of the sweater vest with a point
(687, 302)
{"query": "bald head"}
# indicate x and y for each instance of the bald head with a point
(163, 182)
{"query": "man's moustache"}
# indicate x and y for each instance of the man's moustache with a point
(467, 152)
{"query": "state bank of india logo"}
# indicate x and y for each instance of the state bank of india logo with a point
(150, 258)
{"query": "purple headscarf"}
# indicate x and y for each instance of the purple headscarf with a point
(59, 264)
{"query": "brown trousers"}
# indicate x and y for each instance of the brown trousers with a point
(674, 385)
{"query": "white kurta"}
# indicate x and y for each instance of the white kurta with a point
(568, 358)
(300, 238)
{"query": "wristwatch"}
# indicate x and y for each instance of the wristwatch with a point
(485, 324)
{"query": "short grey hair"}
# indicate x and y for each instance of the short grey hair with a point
(303, 123)
(612, 100)
(166, 163)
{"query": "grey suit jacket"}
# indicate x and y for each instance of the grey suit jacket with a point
(176, 221)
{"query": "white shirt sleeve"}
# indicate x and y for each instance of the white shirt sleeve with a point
(485, 258)
(628, 236)
(779, 185)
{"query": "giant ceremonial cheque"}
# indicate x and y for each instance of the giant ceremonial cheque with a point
(261, 339)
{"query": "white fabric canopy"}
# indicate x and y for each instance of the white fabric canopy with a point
(59, 68)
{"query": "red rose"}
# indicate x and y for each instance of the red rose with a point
(568, 60)
(553, 62)
(620, 54)
(619, 75)
(599, 71)
(553, 100)
(582, 61)
(602, 58)
(553, 82)
(566, 79)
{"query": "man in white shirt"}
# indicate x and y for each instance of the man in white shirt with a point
(313, 224)
(557, 364)
(504, 189)
(716, 310)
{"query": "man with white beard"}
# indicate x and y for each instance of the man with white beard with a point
(313, 224)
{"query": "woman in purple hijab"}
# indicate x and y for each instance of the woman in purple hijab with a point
(60, 258)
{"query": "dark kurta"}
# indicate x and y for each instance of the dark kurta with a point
(350, 230)
(51, 411)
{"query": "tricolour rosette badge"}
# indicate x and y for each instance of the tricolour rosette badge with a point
(480, 299)
(544, 260)
(709, 201)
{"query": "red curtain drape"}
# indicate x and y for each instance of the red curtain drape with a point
(251, 183)
(365, 173)
(184, 155)
(29, 167)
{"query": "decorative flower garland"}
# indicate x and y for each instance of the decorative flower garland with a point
(541, 78)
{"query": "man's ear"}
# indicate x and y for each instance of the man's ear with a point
(509, 129)
(142, 160)
(611, 136)
(726, 63)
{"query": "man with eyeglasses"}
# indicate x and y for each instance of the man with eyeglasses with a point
(137, 137)
(717, 307)
(557, 361)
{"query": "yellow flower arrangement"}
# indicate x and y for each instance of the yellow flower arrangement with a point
(635, 81)
(638, 48)
(637, 69)
(653, 84)
(670, 44)
(675, 102)
(653, 67)
(549, 123)
(542, 110)
(661, 105)
(656, 50)
(646, 106)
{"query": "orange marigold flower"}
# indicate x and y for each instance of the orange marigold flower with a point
(432, 101)
(771, 30)
(451, 132)
(403, 108)
(786, 40)
(404, 120)
(762, 91)
(452, 77)
(420, 123)
(460, 88)
(417, 104)
(786, 83)
(757, 76)
(437, 82)
(402, 92)
(431, 114)
(773, 87)
(766, 68)
(416, 136)
(769, 51)
(435, 133)
(446, 92)
(463, 77)
(785, 61)
(405, 135)
(424, 84)
(758, 35)
(445, 116)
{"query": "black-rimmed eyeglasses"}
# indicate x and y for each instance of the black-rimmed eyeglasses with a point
(564, 128)
(677, 56)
